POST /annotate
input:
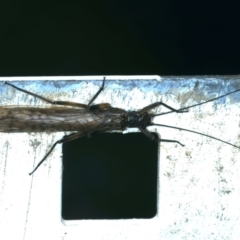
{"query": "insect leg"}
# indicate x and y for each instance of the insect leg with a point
(65, 103)
(97, 93)
(156, 104)
(64, 139)
(151, 136)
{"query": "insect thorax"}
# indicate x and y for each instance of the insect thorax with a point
(136, 119)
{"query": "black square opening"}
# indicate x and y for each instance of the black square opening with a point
(110, 176)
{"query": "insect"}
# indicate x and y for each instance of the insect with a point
(86, 119)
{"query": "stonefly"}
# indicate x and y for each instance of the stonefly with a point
(86, 119)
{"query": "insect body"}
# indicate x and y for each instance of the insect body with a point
(85, 119)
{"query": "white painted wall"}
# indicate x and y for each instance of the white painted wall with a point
(198, 190)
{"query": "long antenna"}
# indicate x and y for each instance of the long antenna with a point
(188, 130)
(198, 104)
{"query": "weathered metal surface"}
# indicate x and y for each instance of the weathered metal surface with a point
(198, 191)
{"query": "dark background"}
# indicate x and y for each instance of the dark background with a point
(119, 37)
(110, 176)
